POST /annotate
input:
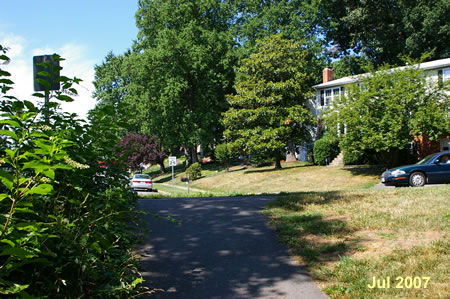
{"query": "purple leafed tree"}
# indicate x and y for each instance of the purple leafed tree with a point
(141, 148)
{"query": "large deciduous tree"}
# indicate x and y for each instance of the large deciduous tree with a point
(111, 116)
(181, 71)
(269, 109)
(383, 29)
(296, 19)
(391, 107)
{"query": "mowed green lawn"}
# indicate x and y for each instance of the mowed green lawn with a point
(347, 232)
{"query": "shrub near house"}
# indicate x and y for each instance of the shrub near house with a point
(326, 149)
(379, 114)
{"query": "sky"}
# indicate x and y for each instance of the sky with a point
(82, 32)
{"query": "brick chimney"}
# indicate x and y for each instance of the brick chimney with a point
(328, 75)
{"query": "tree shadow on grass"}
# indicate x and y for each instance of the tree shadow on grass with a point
(250, 171)
(311, 236)
(365, 170)
(296, 201)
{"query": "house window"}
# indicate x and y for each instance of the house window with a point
(327, 96)
(336, 93)
(443, 75)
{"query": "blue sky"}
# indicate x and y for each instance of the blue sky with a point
(82, 32)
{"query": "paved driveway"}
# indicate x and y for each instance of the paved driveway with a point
(223, 248)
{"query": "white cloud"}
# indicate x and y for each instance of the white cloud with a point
(76, 64)
(14, 43)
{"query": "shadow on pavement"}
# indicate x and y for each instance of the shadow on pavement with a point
(222, 249)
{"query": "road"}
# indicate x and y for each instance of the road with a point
(223, 248)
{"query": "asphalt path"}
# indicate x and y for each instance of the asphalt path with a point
(219, 248)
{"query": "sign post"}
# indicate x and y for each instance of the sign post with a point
(188, 182)
(46, 72)
(172, 162)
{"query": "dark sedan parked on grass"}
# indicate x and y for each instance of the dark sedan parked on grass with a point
(433, 169)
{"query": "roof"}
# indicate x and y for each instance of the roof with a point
(430, 65)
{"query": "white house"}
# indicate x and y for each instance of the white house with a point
(331, 89)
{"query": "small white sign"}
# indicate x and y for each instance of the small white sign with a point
(172, 161)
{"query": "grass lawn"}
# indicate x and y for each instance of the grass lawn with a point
(345, 231)
(293, 177)
(348, 237)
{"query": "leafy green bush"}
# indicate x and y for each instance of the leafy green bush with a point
(327, 147)
(65, 222)
(353, 157)
(194, 171)
(224, 154)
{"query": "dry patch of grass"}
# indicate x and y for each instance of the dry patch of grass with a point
(348, 237)
(294, 177)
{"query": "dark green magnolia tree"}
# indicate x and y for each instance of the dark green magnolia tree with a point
(181, 71)
(269, 111)
(383, 29)
(387, 109)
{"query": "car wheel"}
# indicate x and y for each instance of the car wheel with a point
(417, 179)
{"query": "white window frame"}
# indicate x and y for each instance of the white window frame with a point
(446, 74)
(329, 95)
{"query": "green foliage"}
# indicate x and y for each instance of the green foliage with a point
(112, 115)
(326, 148)
(348, 66)
(269, 110)
(354, 157)
(65, 228)
(223, 154)
(180, 71)
(296, 20)
(383, 29)
(194, 171)
(388, 110)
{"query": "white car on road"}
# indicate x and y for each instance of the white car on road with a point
(141, 181)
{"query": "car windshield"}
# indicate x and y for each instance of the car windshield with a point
(426, 159)
(141, 176)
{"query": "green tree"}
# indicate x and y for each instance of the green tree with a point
(224, 155)
(181, 71)
(111, 116)
(269, 110)
(383, 29)
(296, 19)
(387, 110)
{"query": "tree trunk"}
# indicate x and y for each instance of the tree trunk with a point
(290, 154)
(194, 154)
(277, 160)
(191, 155)
(162, 168)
